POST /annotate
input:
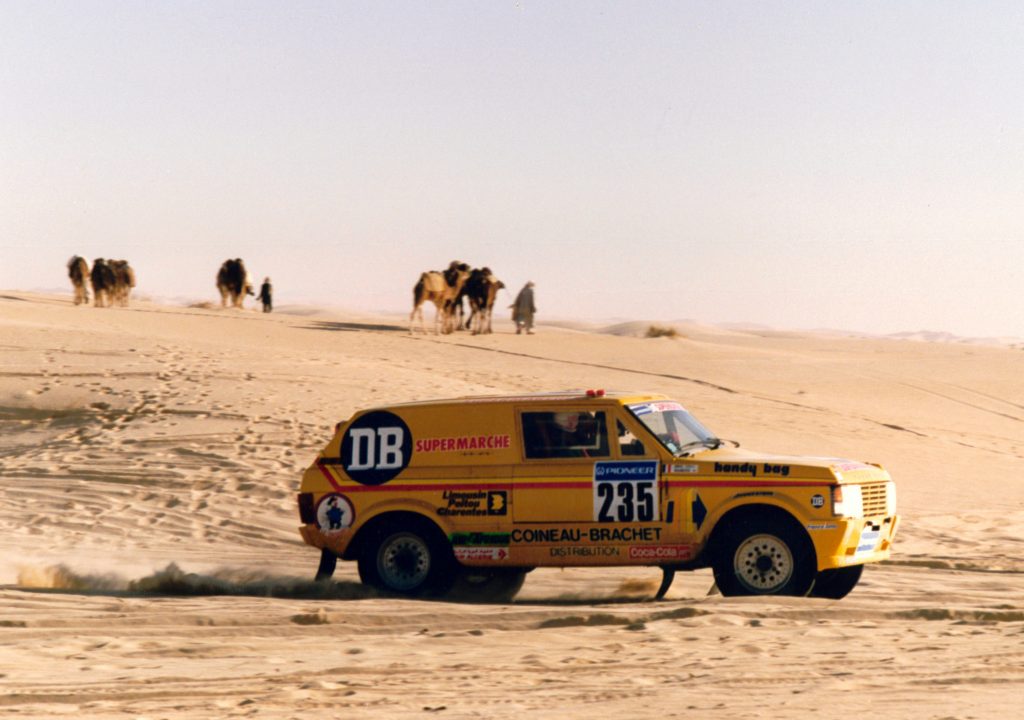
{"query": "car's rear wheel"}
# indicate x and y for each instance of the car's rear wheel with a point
(764, 558)
(412, 559)
(487, 585)
(837, 583)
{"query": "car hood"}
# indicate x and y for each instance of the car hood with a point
(750, 463)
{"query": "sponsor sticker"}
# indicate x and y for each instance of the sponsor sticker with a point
(741, 468)
(685, 469)
(464, 443)
(479, 539)
(660, 552)
(480, 553)
(752, 469)
(469, 503)
(662, 406)
(497, 502)
(626, 491)
(594, 551)
(818, 501)
(626, 470)
(334, 513)
(869, 538)
(574, 535)
(851, 466)
(822, 526)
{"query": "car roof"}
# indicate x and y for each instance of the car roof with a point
(619, 396)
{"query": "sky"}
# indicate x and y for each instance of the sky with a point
(856, 166)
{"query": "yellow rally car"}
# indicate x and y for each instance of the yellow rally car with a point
(466, 496)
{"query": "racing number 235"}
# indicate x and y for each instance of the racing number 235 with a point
(625, 501)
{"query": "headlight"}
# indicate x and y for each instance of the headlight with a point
(847, 500)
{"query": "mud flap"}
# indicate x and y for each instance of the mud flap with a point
(667, 576)
(328, 561)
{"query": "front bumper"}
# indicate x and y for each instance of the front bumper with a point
(842, 542)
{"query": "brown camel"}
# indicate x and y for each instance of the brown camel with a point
(124, 281)
(481, 288)
(440, 288)
(78, 271)
(103, 283)
(233, 282)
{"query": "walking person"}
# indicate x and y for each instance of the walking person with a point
(266, 295)
(523, 310)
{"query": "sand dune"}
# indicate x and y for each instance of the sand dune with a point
(150, 564)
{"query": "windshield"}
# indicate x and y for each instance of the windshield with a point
(674, 428)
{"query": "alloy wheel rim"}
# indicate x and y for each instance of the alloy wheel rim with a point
(404, 562)
(763, 563)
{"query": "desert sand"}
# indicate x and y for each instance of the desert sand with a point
(150, 564)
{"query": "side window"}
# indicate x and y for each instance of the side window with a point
(629, 444)
(570, 434)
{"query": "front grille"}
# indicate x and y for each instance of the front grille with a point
(874, 498)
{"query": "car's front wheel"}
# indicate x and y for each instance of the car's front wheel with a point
(837, 583)
(764, 558)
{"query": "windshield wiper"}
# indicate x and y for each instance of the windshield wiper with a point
(711, 443)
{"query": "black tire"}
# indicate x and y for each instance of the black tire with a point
(836, 584)
(487, 585)
(764, 557)
(412, 559)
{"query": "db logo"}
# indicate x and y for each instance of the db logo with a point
(376, 448)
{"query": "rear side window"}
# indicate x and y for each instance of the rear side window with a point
(569, 434)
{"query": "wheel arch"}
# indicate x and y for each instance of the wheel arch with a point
(385, 517)
(749, 514)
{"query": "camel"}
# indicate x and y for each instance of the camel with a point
(440, 288)
(233, 282)
(103, 283)
(459, 319)
(481, 288)
(124, 281)
(472, 284)
(78, 271)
